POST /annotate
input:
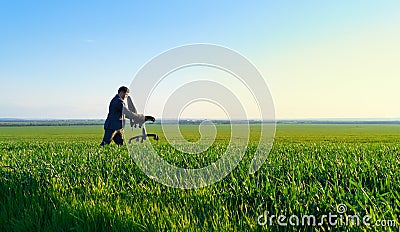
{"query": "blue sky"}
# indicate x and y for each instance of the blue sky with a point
(321, 59)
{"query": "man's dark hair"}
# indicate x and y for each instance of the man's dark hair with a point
(123, 89)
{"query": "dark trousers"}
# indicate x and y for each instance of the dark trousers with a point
(115, 135)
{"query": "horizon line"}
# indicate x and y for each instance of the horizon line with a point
(219, 119)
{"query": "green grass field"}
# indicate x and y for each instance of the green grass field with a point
(59, 179)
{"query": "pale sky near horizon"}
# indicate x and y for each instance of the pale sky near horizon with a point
(321, 59)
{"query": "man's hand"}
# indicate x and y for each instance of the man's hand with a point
(149, 118)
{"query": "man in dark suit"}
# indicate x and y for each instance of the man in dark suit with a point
(117, 111)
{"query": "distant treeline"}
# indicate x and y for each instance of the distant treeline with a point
(52, 123)
(91, 122)
(335, 122)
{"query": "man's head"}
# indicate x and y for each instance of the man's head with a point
(123, 92)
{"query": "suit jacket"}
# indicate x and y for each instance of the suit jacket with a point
(116, 115)
(114, 119)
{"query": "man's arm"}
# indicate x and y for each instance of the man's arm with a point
(138, 118)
